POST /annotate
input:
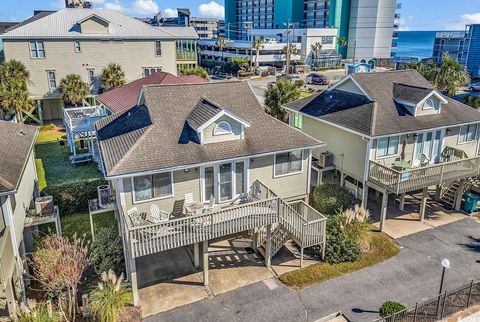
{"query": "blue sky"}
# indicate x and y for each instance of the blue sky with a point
(416, 14)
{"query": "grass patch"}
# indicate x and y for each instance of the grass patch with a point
(80, 224)
(306, 94)
(382, 247)
(50, 135)
(54, 163)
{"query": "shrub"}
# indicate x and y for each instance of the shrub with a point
(330, 198)
(355, 223)
(106, 251)
(47, 127)
(39, 314)
(73, 197)
(390, 307)
(198, 71)
(110, 297)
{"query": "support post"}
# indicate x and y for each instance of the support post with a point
(40, 112)
(365, 195)
(11, 303)
(438, 193)
(268, 247)
(301, 256)
(383, 210)
(458, 198)
(196, 255)
(58, 226)
(401, 206)
(91, 226)
(423, 204)
(133, 281)
(205, 262)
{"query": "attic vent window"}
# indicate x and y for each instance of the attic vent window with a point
(222, 128)
(429, 104)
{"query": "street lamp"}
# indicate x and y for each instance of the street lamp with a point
(445, 265)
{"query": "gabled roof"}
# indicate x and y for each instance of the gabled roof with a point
(160, 146)
(64, 23)
(125, 97)
(410, 93)
(15, 146)
(378, 112)
(94, 15)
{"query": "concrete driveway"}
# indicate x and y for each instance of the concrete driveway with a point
(412, 276)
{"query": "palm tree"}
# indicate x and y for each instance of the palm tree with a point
(14, 95)
(281, 92)
(113, 76)
(290, 49)
(221, 43)
(473, 101)
(316, 49)
(72, 89)
(257, 45)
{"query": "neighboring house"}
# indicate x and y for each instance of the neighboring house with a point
(125, 97)
(18, 181)
(84, 41)
(4, 26)
(210, 151)
(394, 133)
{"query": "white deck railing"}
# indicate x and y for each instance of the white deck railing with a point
(308, 228)
(83, 118)
(422, 177)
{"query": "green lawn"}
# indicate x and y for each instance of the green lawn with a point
(306, 94)
(53, 163)
(382, 248)
(80, 224)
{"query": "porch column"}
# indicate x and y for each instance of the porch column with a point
(423, 204)
(268, 247)
(458, 198)
(11, 302)
(205, 262)
(383, 210)
(196, 255)
(133, 281)
(301, 256)
(365, 195)
(438, 192)
(40, 112)
(402, 202)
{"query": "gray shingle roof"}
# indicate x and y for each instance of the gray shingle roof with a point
(16, 145)
(63, 24)
(202, 112)
(410, 93)
(157, 146)
(383, 115)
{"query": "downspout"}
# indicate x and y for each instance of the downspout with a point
(366, 169)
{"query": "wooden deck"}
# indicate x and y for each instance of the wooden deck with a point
(418, 178)
(304, 223)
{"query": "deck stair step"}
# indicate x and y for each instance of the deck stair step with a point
(449, 195)
(279, 237)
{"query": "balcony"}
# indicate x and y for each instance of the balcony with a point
(259, 207)
(82, 119)
(453, 168)
(7, 257)
(186, 55)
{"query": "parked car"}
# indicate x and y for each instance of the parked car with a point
(293, 77)
(475, 86)
(319, 79)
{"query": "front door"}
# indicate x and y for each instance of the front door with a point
(224, 181)
(428, 144)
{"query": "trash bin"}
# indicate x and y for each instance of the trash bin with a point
(471, 201)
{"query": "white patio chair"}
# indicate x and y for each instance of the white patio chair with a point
(135, 217)
(189, 198)
(210, 206)
(157, 215)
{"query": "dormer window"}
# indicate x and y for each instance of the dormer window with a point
(429, 104)
(222, 128)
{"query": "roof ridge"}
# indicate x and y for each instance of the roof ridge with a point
(412, 85)
(190, 84)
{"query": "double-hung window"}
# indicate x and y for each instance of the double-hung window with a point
(467, 133)
(36, 49)
(52, 80)
(76, 45)
(91, 76)
(387, 146)
(288, 163)
(158, 48)
(159, 185)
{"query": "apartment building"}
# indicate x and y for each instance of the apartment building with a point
(84, 41)
(367, 25)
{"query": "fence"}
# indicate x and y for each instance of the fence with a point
(440, 307)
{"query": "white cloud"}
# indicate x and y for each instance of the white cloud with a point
(115, 5)
(98, 1)
(169, 12)
(403, 23)
(145, 7)
(212, 9)
(465, 19)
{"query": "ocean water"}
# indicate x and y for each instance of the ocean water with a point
(417, 44)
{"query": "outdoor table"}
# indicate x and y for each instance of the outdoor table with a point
(402, 165)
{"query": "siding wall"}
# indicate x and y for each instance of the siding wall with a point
(339, 141)
(236, 129)
(452, 140)
(94, 26)
(261, 168)
(132, 55)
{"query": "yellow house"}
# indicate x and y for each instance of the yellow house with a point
(394, 133)
(84, 41)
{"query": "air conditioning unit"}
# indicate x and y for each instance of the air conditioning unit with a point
(103, 195)
(44, 206)
(325, 159)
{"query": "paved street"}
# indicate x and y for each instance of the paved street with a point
(412, 276)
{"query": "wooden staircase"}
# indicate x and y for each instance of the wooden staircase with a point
(449, 194)
(279, 237)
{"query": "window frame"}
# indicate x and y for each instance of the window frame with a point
(460, 141)
(54, 79)
(36, 49)
(275, 175)
(379, 157)
(91, 70)
(158, 46)
(429, 107)
(222, 131)
(134, 199)
(77, 47)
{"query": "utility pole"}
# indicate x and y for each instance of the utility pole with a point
(250, 23)
(287, 63)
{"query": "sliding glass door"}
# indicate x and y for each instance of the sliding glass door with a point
(428, 144)
(224, 181)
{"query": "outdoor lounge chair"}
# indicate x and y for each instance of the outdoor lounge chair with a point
(424, 161)
(157, 215)
(135, 218)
